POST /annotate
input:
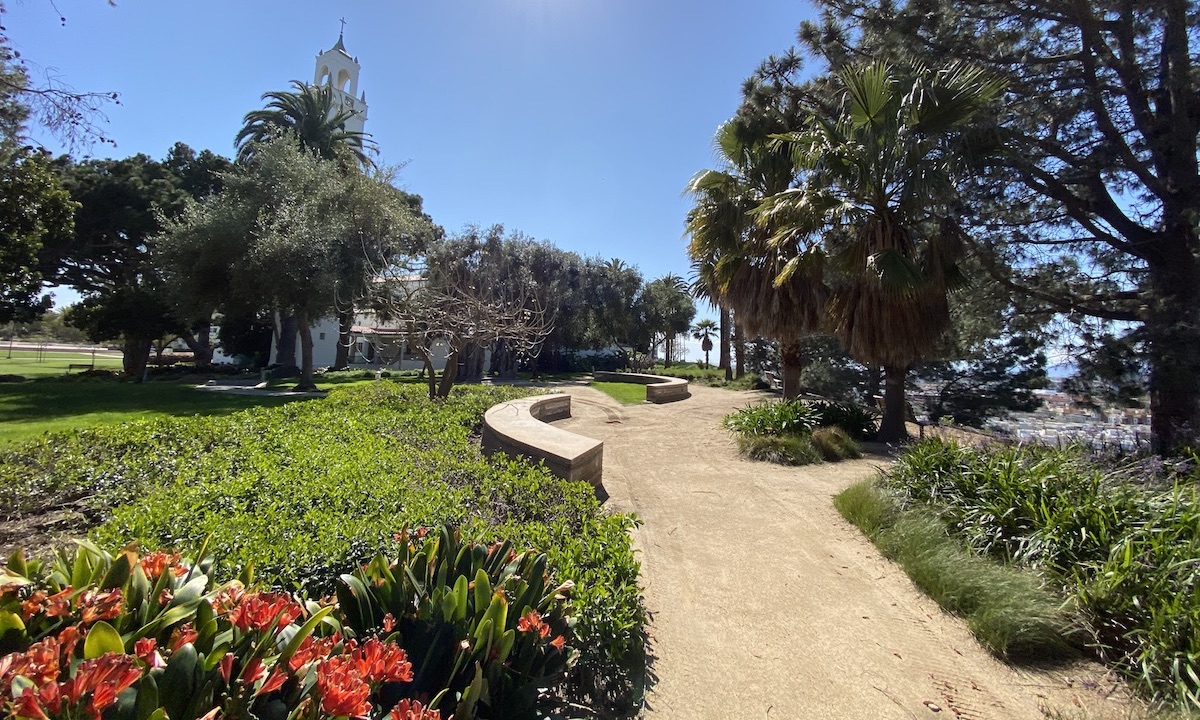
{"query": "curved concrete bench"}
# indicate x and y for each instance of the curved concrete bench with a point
(519, 427)
(659, 388)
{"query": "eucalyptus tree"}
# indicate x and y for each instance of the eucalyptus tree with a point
(876, 200)
(1092, 205)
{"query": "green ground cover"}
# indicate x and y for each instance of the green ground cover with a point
(798, 432)
(309, 490)
(31, 364)
(33, 408)
(624, 393)
(1117, 540)
(708, 376)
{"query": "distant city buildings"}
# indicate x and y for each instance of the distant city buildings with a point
(1065, 418)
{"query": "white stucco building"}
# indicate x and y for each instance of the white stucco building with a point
(336, 69)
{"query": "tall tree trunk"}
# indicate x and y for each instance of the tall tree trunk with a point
(873, 380)
(739, 352)
(891, 427)
(200, 343)
(791, 361)
(307, 380)
(135, 355)
(726, 335)
(449, 373)
(1173, 330)
(341, 357)
(285, 351)
(667, 350)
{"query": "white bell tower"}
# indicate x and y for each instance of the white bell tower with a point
(338, 71)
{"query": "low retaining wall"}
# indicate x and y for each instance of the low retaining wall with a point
(659, 388)
(519, 428)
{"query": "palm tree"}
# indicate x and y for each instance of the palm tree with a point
(876, 196)
(703, 287)
(733, 252)
(703, 332)
(311, 114)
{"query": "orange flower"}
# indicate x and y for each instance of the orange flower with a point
(311, 649)
(181, 636)
(558, 642)
(100, 681)
(100, 605)
(412, 710)
(265, 611)
(341, 689)
(532, 622)
(39, 663)
(274, 681)
(389, 623)
(382, 662)
(59, 604)
(228, 597)
(146, 649)
(158, 561)
(33, 605)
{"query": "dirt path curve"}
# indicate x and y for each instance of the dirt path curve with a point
(765, 603)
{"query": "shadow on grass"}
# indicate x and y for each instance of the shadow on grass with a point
(30, 408)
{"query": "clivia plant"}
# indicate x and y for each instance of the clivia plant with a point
(92, 635)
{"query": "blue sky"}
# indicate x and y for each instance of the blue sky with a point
(577, 122)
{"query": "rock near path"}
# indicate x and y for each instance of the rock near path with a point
(765, 603)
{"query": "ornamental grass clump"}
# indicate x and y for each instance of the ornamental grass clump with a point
(1121, 540)
(155, 637)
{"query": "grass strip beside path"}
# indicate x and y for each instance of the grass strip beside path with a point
(624, 393)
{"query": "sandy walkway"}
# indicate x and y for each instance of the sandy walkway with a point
(766, 604)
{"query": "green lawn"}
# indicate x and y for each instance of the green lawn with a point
(28, 364)
(32, 408)
(625, 393)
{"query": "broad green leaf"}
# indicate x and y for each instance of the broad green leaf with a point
(102, 638)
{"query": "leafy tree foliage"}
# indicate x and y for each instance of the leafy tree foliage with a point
(1091, 206)
(1001, 379)
(275, 236)
(111, 258)
(665, 310)
(33, 208)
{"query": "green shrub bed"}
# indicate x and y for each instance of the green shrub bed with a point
(309, 491)
(797, 432)
(1121, 541)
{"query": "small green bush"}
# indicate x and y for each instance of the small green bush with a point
(858, 422)
(773, 418)
(787, 450)
(834, 444)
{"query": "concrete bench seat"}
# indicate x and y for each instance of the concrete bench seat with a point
(659, 388)
(519, 427)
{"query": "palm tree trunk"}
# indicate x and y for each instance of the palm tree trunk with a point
(791, 360)
(891, 427)
(307, 382)
(723, 358)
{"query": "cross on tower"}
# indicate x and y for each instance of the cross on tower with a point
(343, 30)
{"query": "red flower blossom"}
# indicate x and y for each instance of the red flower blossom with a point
(155, 563)
(558, 642)
(39, 663)
(228, 598)
(265, 611)
(226, 666)
(68, 637)
(274, 681)
(59, 604)
(341, 689)
(412, 710)
(100, 605)
(311, 649)
(382, 662)
(254, 671)
(33, 605)
(100, 681)
(532, 622)
(165, 596)
(28, 706)
(389, 623)
(181, 636)
(146, 649)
